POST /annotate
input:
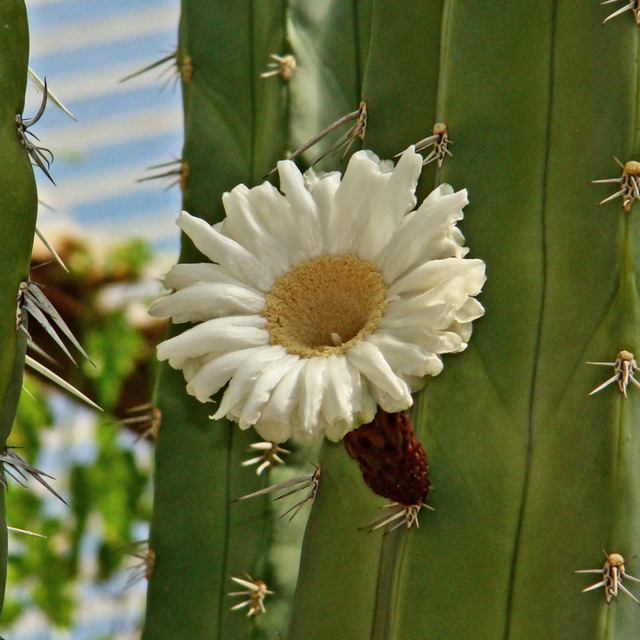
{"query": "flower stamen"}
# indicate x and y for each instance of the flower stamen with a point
(325, 306)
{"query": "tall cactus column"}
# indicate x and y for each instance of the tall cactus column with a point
(532, 477)
(199, 539)
(17, 224)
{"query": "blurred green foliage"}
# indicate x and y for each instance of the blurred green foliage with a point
(108, 488)
(115, 346)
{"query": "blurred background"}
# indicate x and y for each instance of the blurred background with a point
(112, 223)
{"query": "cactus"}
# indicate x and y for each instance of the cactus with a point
(531, 476)
(17, 225)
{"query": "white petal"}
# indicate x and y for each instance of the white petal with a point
(187, 274)
(395, 200)
(214, 337)
(472, 310)
(245, 378)
(226, 252)
(417, 383)
(437, 317)
(436, 307)
(261, 392)
(323, 189)
(359, 190)
(403, 357)
(303, 207)
(368, 404)
(299, 239)
(335, 431)
(245, 225)
(213, 375)
(389, 404)
(276, 422)
(312, 391)
(449, 341)
(367, 358)
(338, 390)
(423, 235)
(429, 274)
(205, 301)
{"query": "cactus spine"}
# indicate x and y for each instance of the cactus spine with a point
(531, 475)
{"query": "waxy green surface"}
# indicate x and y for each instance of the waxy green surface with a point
(18, 206)
(531, 475)
(234, 132)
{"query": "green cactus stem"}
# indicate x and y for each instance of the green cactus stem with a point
(532, 477)
(17, 225)
(234, 132)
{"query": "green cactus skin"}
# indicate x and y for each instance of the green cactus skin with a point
(18, 208)
(330, 40)
(234, 132)
(531, 476)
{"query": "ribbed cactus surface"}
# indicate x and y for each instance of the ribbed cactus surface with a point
(17, 224)
(234, 132)
(531, 476)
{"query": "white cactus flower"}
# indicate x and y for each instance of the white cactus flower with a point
(324, 301)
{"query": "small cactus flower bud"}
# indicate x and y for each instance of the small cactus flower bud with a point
(392, 460)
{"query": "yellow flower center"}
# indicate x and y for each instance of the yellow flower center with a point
(325, 306)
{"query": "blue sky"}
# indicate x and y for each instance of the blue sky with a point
(84, 48)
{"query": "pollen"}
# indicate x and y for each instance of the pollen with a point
(325, 306)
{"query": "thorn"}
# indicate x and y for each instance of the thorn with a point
(623, 369)
(19, 465)
(41, 86)
(440, 141)
(358, 130)
(56, 379)
(53, 252)
(179, 67)
(148, 423)
(26, 533)
(180, 174)
(143, 569)
(310, 482)
(268, 457)
(408, 515)
(256, 590)
(39, 155)
(37, 304)
(283, 66)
